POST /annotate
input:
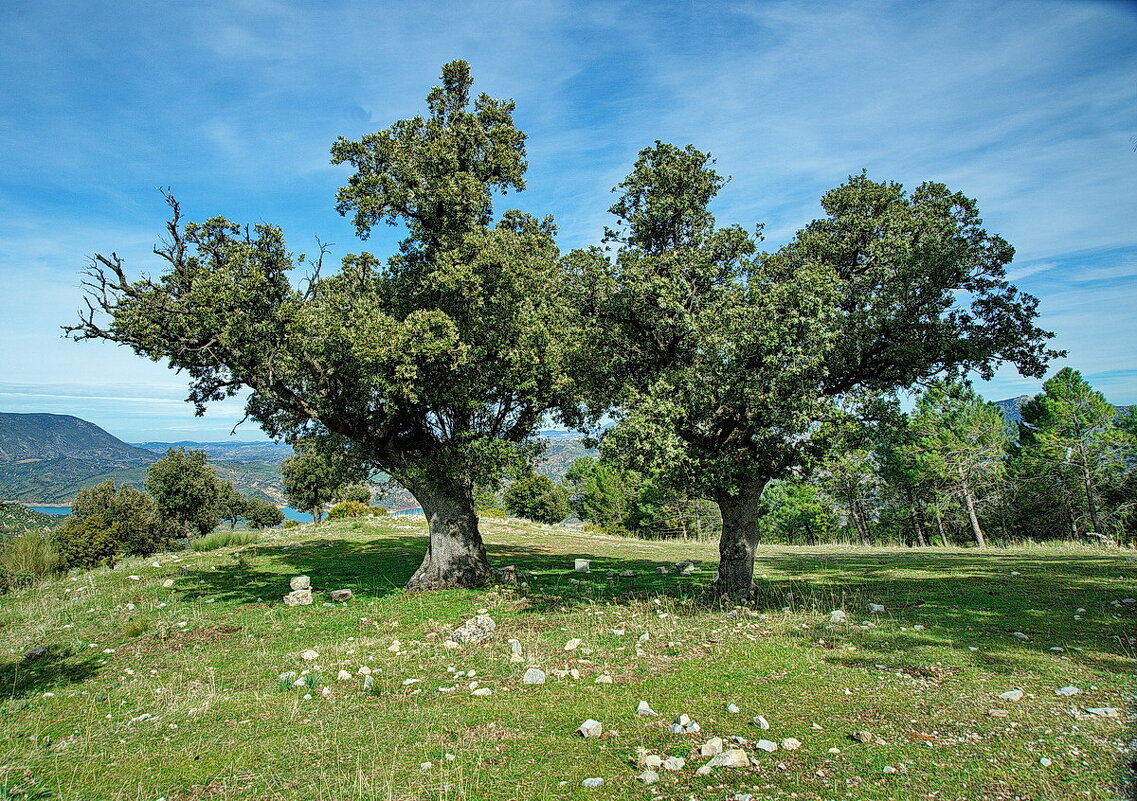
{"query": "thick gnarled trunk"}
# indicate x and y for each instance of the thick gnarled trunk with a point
(455, 554)
(738, 542)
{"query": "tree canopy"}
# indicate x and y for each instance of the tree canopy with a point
(438, 363)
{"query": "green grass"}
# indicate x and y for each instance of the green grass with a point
(224, 538)
(204, 659)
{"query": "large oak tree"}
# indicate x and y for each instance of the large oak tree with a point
(721, 363)
(437, 364)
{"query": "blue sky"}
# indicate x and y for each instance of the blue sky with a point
(1029, 107)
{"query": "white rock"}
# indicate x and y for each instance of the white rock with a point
(364, 671)
(289, 675)
(837, 616)
(918, 627)
(1021, 636)
(168, 583)
(482, 692)
(1067, 690)
(629, 574)
(310, 655)
(343, 675)
(425, 765)
(1104, 711)
(300, 583)
(876, 609)
(766, 745)
(475, 630)
(1012, 695)
(572, 644)
(603, 678)
(648, 777)
(790, 744)
(298, 598)
(409, 682)
(889, 769)
(642, 708)
(734, 758)
(733, 709)
(515, 647)
(1015, 573)
(368, 682)
(1045, 762)
(711, 747)
(450, 645)
(653, 761)
(674, 763)
(581, 565)
(760, 722)
(593, 782)
(533, 676)
(135, 578)
(590, 728)
(395, 646)
(683, 720)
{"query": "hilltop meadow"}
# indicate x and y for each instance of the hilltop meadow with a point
(184, 676)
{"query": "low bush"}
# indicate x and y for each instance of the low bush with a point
(378, 511)
(291, 524)
(223, 539)
(262, 514)
(360, 493)
(348, 509)
(27, 558)
(87, 542)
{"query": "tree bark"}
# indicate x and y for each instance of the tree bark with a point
(859, 522)
(940, 526)
(972, 517)
(455, 554)
(739, 539)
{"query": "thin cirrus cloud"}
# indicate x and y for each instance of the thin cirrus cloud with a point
(1025, 106)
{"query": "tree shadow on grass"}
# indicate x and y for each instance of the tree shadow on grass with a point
(34, 675)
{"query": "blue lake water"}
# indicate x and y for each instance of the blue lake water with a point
(289, 512)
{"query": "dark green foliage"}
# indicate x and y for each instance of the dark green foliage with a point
(360, 493)
(231, 504)
(536, 497)
(794, 512)
(138, 526)
(186, 491)
(262, 514)
(86, 542)
(348, 509)
(320, 467)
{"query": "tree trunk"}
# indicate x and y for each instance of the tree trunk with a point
(914, 513)
(969, 504)
(859, 522)
(940, 526)
(455, 554)
(739, 538)
(317, 513)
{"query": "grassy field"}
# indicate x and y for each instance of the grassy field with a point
(148, 691)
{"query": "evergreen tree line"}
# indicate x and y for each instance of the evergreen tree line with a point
(952, 471)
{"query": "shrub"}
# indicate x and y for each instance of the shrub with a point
(348, 509)
(378, 511)
(361, 493)
(291, 524)
(26, 559)
(262, 514)
(223, 539)
(536, 497)
(86, 542)
(134, 515)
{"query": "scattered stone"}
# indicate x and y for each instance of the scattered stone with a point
(141, 718)
(300, 583)
(838, 616)
(733, 709)
(364, 671)
(653, 761)
(876, 609)
(790, 744)
(425, 765)
(674, 763)
(395, 646)
(368, 682)
(288, 676)
(1129, 600)
(590, 728)
(834, 751)
(1015, 573)
(769, 746)
(642, 708)
(135, 578)
(1104, 711)
(310, 655)
(593, 782)
(1020, 635)
(168, 583)
(343, 675)
(662, 570)
(889, 769)
(918, 627)
(998, 713)
(760, 722)
(1057, 649)
(475, 630)
(339, 596)
(33, 654)
(409, 682)
(582, 565)
(298, 598)
(863, 736)
(734, 758)
(533, 676)
(1067, 690)
(1045, 762)
(648, 777)
(603, 678)
(515, 647)
(711, 747)
(631, 574)
(482, 692)
(572, 644)
(1012, 695)
(450, 645)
